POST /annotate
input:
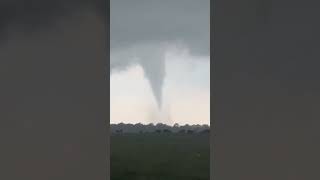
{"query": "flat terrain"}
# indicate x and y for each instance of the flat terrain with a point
(151, 156)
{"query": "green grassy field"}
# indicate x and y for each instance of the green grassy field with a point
(151, 156)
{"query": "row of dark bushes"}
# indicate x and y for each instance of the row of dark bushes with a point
(159, 128)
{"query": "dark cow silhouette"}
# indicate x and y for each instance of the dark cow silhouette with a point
(206, 131)
(158, 131)
(182, 131)
(119, 131)
(167, 131)
(190, 132)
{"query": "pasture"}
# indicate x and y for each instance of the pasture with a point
(164, 156)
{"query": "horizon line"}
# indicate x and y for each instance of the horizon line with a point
(162, 124)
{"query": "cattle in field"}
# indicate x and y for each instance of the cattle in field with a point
(167, 131)
(119, 131)
(158, 131)
(182, 131)
(190, 132)
(205, 131)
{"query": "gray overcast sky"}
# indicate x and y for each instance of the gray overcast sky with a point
(163, 49)
(156, 21)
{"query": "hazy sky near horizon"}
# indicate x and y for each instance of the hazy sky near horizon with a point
(160, 57)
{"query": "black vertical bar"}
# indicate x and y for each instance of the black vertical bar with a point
(54, 100)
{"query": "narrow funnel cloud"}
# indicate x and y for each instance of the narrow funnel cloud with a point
(154, 69)
(151, 58)
(156, 78)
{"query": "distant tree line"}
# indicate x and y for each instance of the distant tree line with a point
(158, 128)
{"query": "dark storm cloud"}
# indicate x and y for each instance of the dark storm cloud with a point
(156, 21)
